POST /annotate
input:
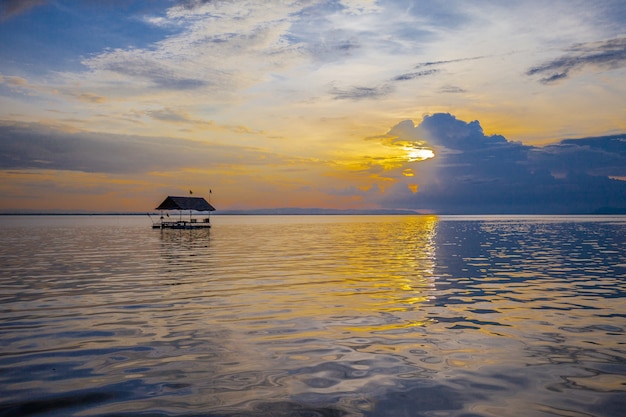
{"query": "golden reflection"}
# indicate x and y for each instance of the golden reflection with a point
(387, 274)
(291, 290)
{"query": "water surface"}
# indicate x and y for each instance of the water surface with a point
(313, 316)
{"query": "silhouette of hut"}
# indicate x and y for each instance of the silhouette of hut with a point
(185, 203)
(192, 204)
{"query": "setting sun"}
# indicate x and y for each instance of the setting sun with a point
(419, 154)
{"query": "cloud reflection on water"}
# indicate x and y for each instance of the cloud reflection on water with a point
(314, 315)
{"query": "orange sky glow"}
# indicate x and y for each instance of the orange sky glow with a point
(294, 105)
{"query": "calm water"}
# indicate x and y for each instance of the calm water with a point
(313, 316)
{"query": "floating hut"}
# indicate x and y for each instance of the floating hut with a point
(183, 204)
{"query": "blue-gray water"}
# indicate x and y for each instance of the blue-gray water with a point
(313, 316)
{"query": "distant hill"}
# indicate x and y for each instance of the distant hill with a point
(611, 210)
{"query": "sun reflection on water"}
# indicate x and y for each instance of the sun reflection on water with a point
(316, 315)
(378, 284)
(319, 298)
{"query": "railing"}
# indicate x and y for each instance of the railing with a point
(182, 224)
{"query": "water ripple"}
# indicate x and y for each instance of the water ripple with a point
(313, 316)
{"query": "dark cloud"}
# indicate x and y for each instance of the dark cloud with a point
(478, 173)
(425, 69)
(608, 54)
(599, 156)
(416, 74)
(449, 61)
(11, 8)
(452, 133)
(32, 146)
(359, 93)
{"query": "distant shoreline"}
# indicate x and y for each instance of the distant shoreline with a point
(223, 213)
(318, 212)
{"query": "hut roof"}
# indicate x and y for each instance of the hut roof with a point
(185, 203)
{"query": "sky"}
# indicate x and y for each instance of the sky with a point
(434, 106)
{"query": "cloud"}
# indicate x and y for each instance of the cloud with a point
(599, 156)
(13, 81)
(170, 115)
(402, 134)
(448, 131)
(385, 89)
(449, 61)
(35, 146)
(213, 49)
(478, 173)
(91, 98)
(429, 68)
(417, 74)
(451, 89)
(360, 93)
(145, 66)
(192, 4)
(333, 46)
(607, 54)
(23, 86)
(175, 116)
(11, 8)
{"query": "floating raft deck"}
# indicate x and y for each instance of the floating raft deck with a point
(182, 224)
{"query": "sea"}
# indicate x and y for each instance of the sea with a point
(407, 315)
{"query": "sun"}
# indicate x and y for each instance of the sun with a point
(419, 154)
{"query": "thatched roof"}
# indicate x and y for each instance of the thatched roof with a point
(185, 203)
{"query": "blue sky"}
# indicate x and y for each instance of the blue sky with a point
(109, 105)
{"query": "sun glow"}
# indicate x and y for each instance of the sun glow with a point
(419, 154)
